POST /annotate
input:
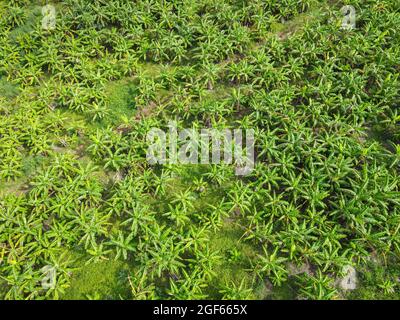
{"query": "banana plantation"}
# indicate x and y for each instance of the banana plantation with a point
(84, 215)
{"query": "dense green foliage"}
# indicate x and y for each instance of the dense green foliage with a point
(76, 192)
